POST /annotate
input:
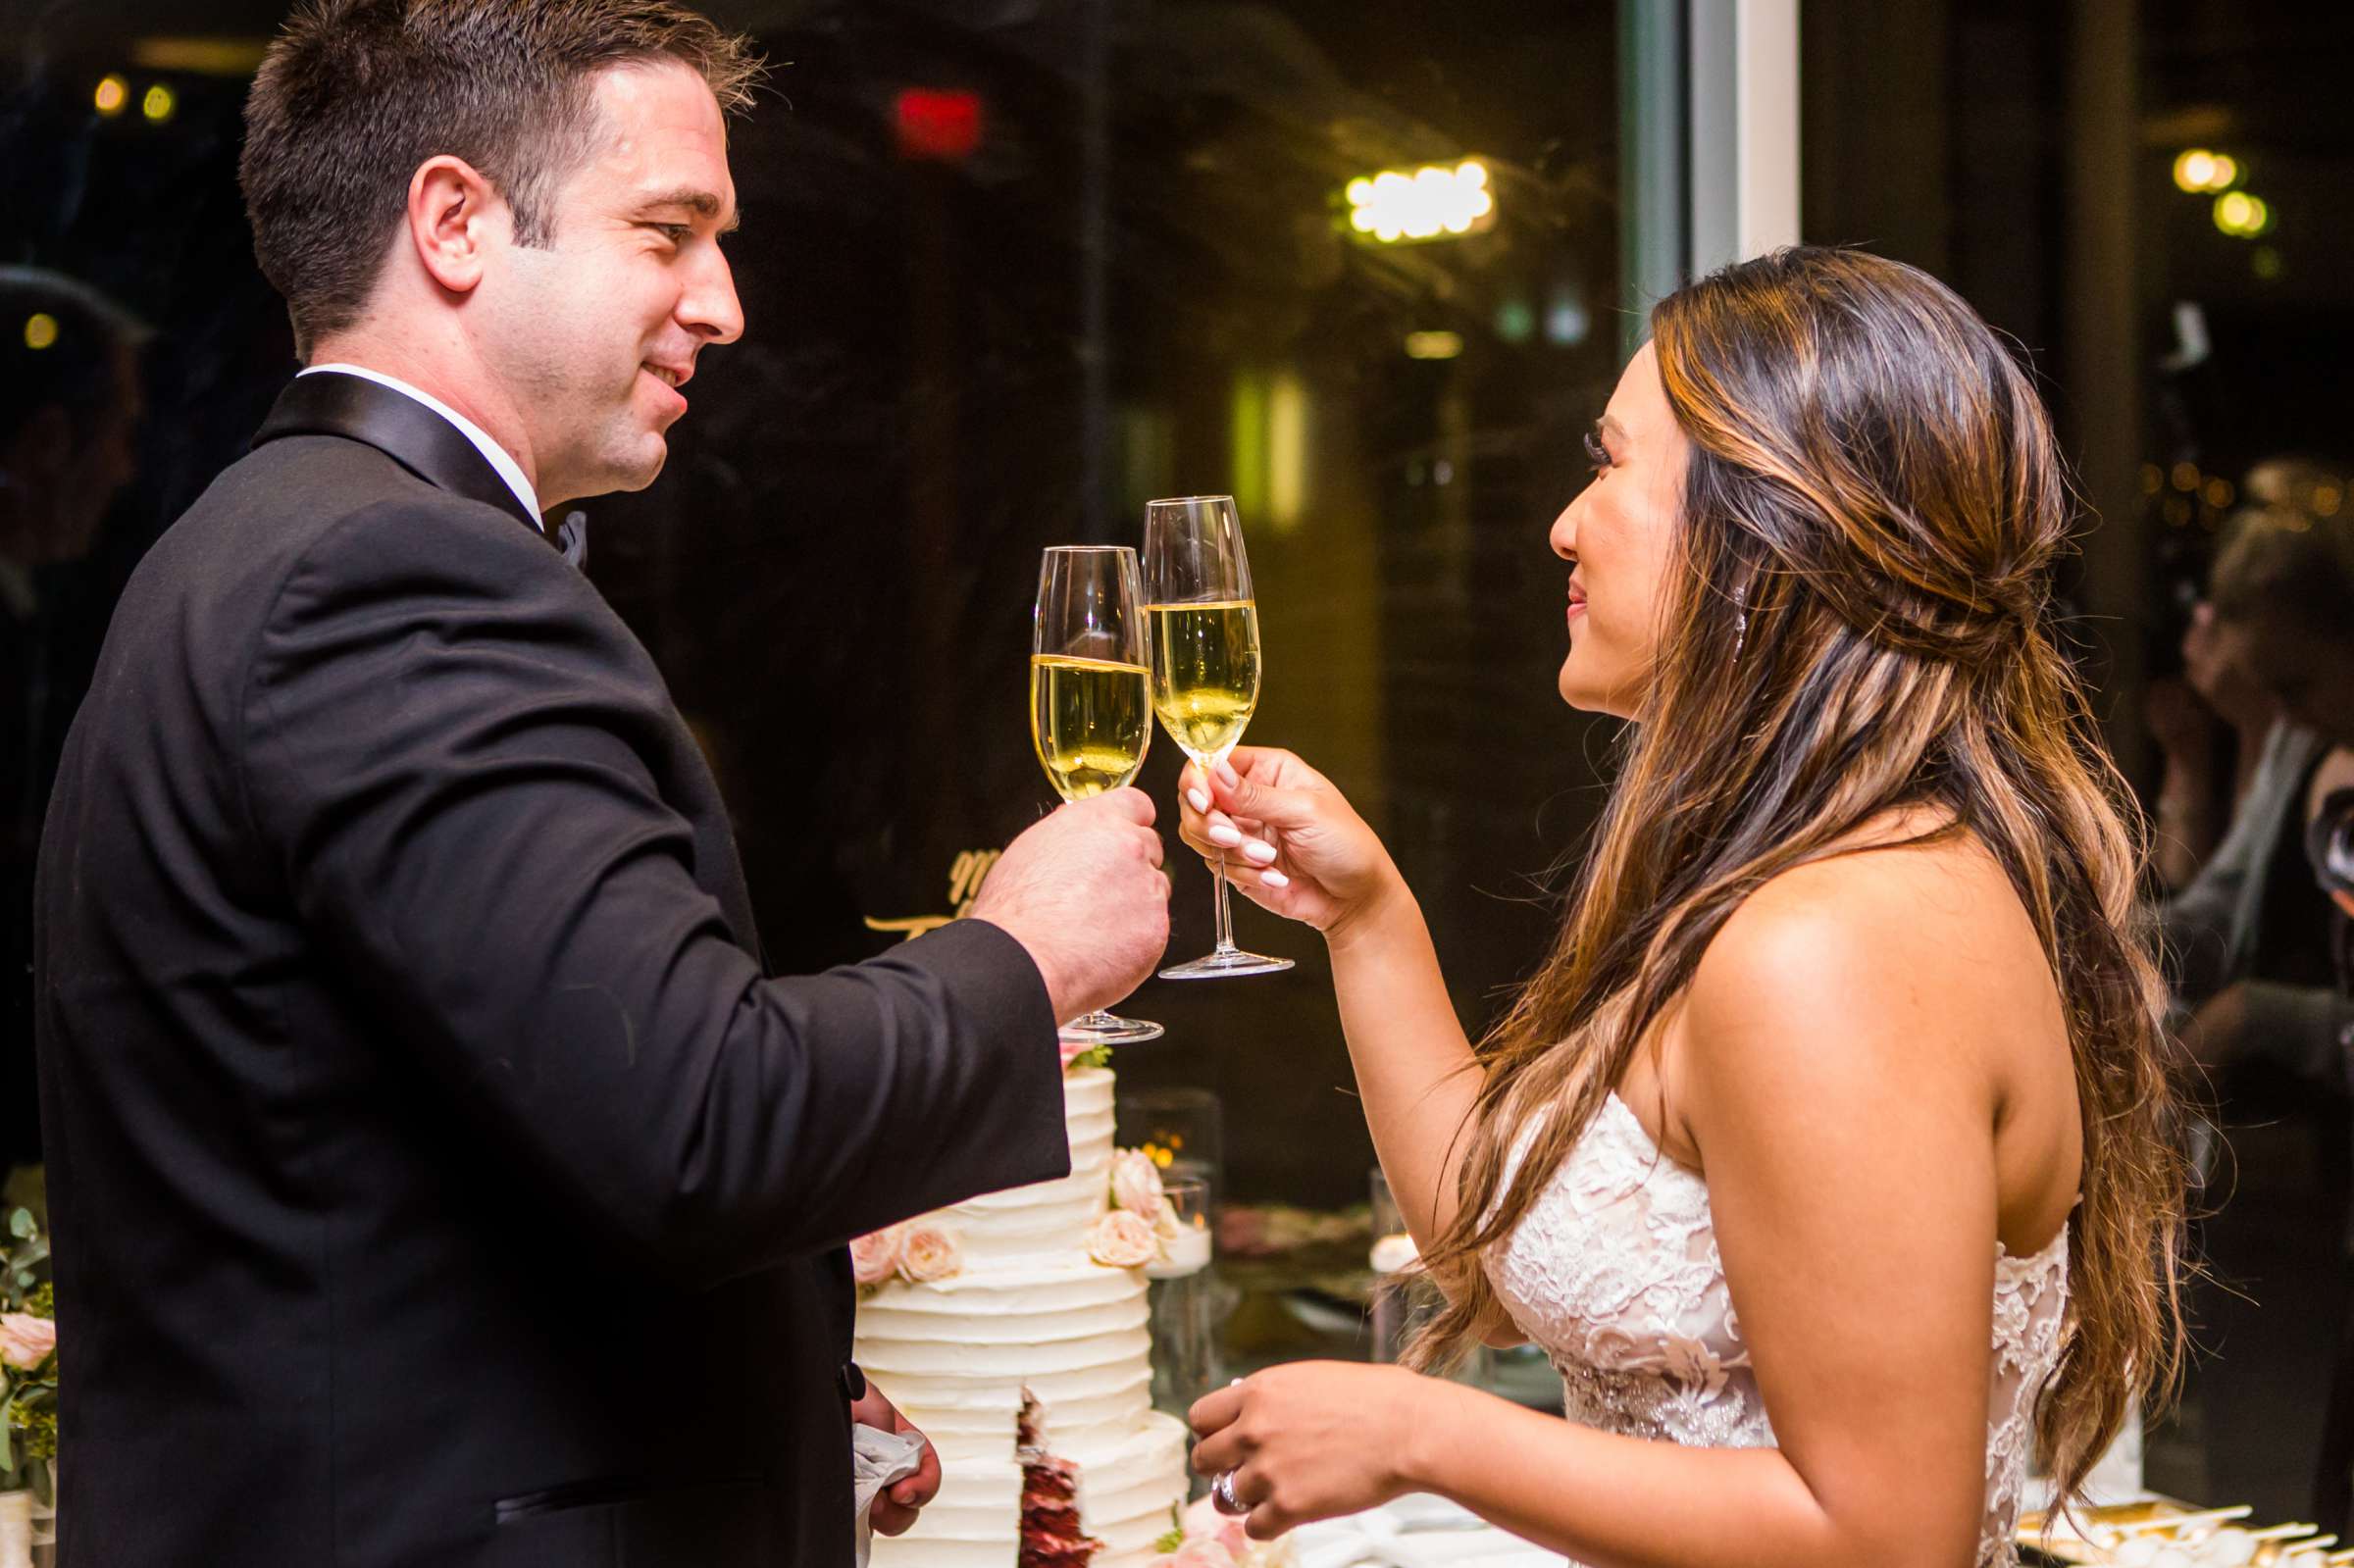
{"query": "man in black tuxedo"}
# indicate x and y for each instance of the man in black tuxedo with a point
(437, 1174)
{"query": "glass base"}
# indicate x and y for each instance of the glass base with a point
(1227, 961)
(1109, 1028)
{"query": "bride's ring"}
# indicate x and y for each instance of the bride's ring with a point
(1221, 1494)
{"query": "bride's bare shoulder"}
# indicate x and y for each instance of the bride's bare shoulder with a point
(1906, 886)
(1907, 939)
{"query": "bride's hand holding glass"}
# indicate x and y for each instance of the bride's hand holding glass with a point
(1292, 842)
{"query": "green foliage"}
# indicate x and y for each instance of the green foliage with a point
(21, 1263)
(1092, 1056)
(38, 1423)
(28, 1434)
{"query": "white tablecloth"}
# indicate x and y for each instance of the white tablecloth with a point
(1417, 1531)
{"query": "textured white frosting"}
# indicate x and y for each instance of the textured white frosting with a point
(1029, 1311)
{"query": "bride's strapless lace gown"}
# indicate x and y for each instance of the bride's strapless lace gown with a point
(1614, 1274)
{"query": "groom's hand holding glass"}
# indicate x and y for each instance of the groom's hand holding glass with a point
(1083, 891)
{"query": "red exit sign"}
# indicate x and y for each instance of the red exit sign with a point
(938, 125)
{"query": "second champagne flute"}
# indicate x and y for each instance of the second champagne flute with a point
(1205, 664)
(1091, 714)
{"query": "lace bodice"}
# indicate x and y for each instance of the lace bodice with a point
(1614, 1272)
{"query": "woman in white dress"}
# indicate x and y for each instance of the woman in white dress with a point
(1827, 1154)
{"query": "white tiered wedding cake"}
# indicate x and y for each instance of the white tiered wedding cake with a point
(1011, 1328)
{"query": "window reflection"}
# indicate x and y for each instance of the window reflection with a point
(1012, 269)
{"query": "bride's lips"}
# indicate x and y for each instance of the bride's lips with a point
(1577, 600)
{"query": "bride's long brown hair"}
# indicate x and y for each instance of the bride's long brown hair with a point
(1861, 622)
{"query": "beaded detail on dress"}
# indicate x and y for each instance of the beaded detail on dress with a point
(1614, 1272)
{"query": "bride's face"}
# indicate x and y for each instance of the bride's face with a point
(1619, 535)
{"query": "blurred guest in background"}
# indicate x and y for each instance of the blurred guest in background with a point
(2248, 932)
(2211, 724)
(2211, 720)
(2330, 841)
(2289, 619)
(69, 401)
(2260, 945)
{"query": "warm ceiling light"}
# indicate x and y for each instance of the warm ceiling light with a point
(1433, 202)
(2199, 169)
(2242, 215)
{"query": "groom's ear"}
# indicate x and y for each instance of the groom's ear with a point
(454, 222)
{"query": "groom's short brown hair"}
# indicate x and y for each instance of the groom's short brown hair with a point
(354, 94)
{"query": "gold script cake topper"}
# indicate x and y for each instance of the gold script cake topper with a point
(967, 874)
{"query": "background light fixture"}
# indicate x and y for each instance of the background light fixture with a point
(2199, 170)
(1437, 201)
(2242, 215)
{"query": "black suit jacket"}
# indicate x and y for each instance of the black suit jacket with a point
(437, 1177)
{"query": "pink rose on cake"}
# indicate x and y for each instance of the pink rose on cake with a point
(1204, 1523)
(26, 1341)
(1122, 1240)
(929, 1255)
(1073, 1049)
(1214, 1541)
(1136, 1182)
(875, 1256)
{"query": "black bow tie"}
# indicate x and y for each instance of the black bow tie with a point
(571, 535)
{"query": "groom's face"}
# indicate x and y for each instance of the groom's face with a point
(596, 331)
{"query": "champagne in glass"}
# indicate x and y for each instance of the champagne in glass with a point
(1206, 673)
(1091, 719)
(1091, 714)
(1205, 664)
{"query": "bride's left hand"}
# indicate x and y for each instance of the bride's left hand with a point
(1310, 1439)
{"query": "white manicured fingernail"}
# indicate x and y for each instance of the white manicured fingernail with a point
(1225, 835)
(1200, 799)
(1274, 879)
(1227, 776)
(1261, 850)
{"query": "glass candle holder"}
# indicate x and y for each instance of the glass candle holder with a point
(1185, 1351)
(1402, 1299)
(1182, 1129)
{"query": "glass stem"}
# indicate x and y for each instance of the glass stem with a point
(1225, 914)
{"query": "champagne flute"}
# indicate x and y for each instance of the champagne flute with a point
(1205, 664)
(1091, 712)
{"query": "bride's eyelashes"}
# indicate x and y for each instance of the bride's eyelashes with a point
(1598, 454)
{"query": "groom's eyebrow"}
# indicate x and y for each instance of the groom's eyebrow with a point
(703, 204)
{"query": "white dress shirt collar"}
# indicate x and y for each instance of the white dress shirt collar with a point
(493, 453)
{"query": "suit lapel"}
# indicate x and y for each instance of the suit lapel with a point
(404, 430)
